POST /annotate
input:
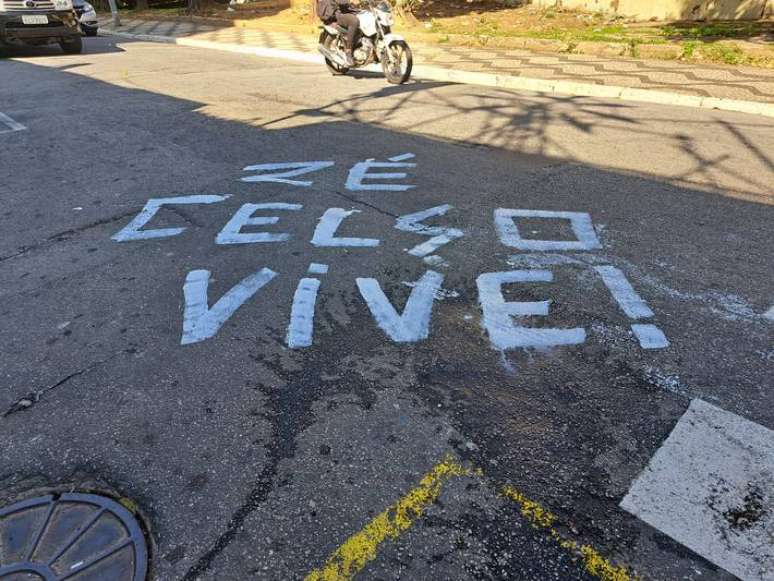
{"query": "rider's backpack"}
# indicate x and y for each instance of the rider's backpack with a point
(326, 10)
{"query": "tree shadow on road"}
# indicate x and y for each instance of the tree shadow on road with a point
(527, 122)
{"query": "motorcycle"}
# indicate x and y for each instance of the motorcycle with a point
(375, 43)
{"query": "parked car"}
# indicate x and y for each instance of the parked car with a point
(87, 17)
(40, 22)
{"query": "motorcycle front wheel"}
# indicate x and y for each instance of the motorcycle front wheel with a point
(327, 40)
(397, 65)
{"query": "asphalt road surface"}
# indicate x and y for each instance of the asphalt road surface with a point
(303, 378)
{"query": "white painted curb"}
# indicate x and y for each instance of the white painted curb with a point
(489, 79)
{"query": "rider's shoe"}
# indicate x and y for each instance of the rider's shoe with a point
(349, 59)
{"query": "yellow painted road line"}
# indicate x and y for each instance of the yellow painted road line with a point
(361, 548)
(541, 518)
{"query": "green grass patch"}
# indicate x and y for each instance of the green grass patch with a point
(713, 30)
(728, 54)
(689, 49)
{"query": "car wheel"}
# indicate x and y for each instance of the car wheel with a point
(72, 45)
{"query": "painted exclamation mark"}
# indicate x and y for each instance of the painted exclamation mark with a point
(649, 336)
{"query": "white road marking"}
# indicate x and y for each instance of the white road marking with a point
(435, 261)
(301, 328)
(325, 233)
(440, 235)
(360, 172)
(232, 231)
(650, 337)
(769, 314)
(292, 169)
(497, 320)
(200, 321)
(316, 268)
(132, 231)
(11, 124)
(414, 323)
(623, 292)
(580, 222)
(709, 488)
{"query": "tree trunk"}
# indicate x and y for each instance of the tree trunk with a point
(198, 6)
(404, 9)
(408, 17)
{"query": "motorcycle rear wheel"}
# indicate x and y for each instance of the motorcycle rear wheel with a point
(327, 41)
(398, 71)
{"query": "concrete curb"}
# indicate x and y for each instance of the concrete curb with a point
(432, 73)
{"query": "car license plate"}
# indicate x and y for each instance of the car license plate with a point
(34, 19)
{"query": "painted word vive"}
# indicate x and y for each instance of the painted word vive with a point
(202, 318)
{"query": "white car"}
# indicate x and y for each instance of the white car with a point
(87, 17)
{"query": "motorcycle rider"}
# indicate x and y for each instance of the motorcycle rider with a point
(340, 11)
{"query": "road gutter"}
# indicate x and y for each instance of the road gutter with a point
(431, 73)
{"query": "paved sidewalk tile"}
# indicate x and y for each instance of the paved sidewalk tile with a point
(743, 83)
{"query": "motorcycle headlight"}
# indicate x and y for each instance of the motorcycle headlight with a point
(63, 4)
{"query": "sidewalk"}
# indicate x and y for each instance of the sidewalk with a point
(712, 86)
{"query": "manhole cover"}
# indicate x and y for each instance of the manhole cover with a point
(82, 537)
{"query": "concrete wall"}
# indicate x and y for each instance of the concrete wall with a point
(672, 9)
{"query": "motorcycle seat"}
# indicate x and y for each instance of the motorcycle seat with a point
(335, 29)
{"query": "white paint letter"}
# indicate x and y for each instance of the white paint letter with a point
(623, 292)
(503, 333)
(440, 235)
(325, 233)
(231, 233)
(580, 222)
(201, 322)
(295, 168)
(132, 230)
(316, 268)
(11, 124)
(301, 326)
(414, 324)
(650, 337)
(359, 172)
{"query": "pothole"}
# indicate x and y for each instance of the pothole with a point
(78, 537)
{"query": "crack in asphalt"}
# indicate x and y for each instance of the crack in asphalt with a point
(26, 402)
(289, 409)
(289, 413)
(65, 235)
(366, 204)
(184, 215)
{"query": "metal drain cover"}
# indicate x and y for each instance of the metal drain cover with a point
(80, 537)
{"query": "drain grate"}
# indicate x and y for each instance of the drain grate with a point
(79, 537)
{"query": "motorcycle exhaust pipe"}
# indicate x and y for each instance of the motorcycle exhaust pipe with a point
(332, 56)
